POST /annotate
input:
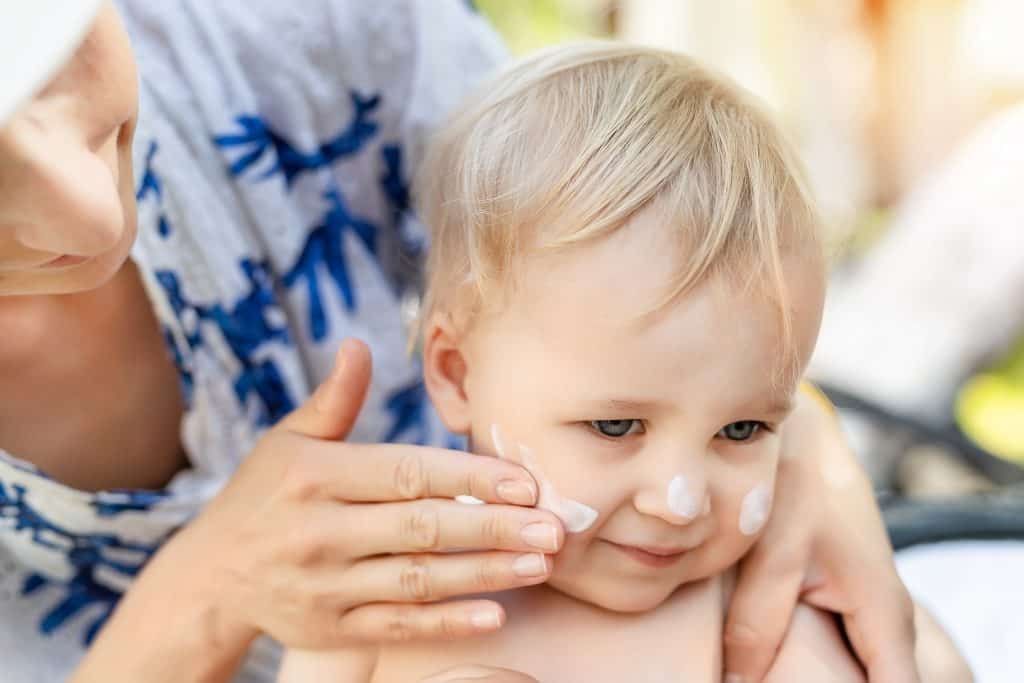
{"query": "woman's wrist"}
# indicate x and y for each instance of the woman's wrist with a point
(170, 626)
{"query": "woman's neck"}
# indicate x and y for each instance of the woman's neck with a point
(87, 391)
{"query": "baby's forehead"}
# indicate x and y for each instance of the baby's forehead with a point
(580, 304)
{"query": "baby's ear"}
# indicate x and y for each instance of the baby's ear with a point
(444, 372)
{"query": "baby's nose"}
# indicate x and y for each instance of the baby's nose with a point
(678, 498)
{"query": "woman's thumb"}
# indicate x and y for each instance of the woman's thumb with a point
(332, 409)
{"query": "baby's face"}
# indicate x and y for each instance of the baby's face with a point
(667, 427)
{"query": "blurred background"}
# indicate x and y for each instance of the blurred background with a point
(909, 115)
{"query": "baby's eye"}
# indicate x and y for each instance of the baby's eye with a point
(743, 430)
(617, 428)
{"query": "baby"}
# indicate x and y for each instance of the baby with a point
(625, 286)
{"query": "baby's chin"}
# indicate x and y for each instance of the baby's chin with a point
(615, 594)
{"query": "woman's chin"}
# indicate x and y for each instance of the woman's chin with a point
(75, 278)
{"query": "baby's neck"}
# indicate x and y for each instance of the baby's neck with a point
(682, 635)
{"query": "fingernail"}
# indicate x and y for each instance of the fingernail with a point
(735, 678)
(517, 492)
(530, 566)
(540, 535)
(485, 619)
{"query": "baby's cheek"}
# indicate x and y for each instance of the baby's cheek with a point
(741, 506)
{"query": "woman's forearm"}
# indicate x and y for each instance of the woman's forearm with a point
(166, 628)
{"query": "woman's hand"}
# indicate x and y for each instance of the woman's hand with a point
(322, 544)
(825, 545)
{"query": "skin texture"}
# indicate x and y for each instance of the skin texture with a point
(66, 188)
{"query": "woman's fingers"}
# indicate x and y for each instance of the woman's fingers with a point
(882, 632)
(393, 472)
(767, 590)
(443, 525)
(377, 623)
(432, 577)
(333, 408)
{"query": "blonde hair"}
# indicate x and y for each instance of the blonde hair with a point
(567, 145)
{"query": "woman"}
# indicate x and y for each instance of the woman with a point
(270, 160)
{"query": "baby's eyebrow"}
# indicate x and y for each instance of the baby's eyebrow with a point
(627, 405)
(777, 405)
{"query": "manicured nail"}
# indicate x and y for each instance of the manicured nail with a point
(517, 492)
(735, 678)
(485, 619)
(530, 566)
(540, 535)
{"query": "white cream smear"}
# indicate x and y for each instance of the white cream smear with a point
(681, 500)
(500, 450)
(755, 508)
(575, 515)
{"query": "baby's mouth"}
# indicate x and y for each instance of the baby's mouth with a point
(658, 557)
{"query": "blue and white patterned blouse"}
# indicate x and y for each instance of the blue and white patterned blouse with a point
(272, 160)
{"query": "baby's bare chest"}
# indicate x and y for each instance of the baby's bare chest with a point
(562, 642)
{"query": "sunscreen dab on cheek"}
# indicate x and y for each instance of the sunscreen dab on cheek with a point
(576, 516)
(754, 510)
(499, 449)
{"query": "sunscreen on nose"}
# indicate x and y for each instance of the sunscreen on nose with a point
(680, 499)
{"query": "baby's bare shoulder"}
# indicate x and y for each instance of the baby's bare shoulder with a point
(814, 651)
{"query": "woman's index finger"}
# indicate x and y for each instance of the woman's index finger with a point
(394, 472)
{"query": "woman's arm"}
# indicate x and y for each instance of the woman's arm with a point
(937, 657)
(814, 651)
(825, 544)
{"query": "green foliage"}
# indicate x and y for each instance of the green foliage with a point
(527, 25)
